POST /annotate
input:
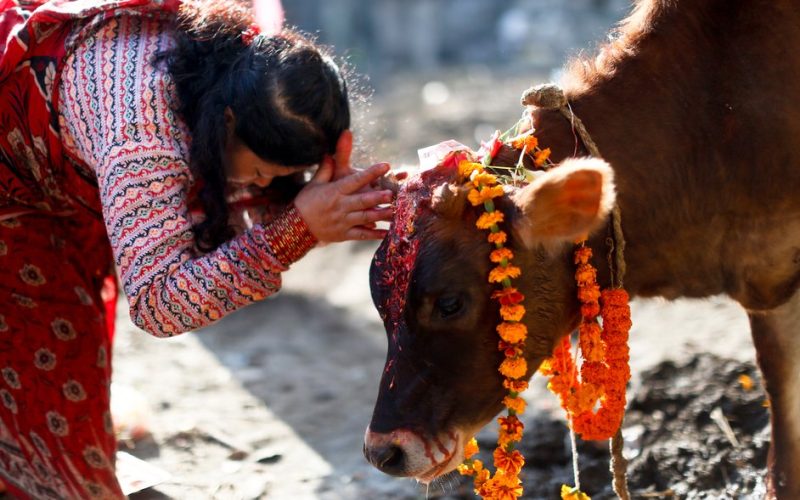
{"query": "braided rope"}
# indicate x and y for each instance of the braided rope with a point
(551, 96)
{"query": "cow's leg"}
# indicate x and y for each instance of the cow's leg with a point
(776, 335)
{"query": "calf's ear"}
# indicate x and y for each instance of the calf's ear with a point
(565, 203)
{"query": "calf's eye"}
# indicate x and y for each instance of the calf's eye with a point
(449, 305)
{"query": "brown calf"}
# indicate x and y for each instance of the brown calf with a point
(696, 106)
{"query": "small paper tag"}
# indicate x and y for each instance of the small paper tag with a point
(135, 474)
(433, 155)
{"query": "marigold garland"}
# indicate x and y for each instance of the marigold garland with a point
(505, 483)
(595, 404)
(604, 372)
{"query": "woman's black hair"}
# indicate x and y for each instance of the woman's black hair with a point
(288, 97)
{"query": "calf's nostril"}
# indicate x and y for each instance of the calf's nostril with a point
(389, 459)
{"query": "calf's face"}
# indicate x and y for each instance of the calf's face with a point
(429, 282)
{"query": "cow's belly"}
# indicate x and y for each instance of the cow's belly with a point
(762, 261)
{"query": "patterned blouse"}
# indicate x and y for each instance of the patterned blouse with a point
(116, 115)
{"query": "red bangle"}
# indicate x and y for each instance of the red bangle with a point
(288, 236)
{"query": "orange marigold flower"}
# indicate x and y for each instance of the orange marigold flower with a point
(511, 424)
(621, 371)
(527, 141)
(484, 194)
(589, 293)
(598, 426)
(584, 398)
(515, 385)
(594, 372)
(616, 296)
(498, 255)
(483, 178)
(489, 219)
(465, 168)
(500, 273)
(503, 486)
(617, 352)
(582, 255)
(510, 350)
(481, 474)
(590, 310)
(497, 238)
(508, 461)
(508, 296)
(589, 340)
(541, 156)
(585, 274)
(517, 405)
(513, 367)
(471, 448)
(512, 332)
(512, 312)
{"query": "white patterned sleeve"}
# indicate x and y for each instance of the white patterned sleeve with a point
(116, 116)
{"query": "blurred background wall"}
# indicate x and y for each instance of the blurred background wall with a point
(431, 70)
(382, 37)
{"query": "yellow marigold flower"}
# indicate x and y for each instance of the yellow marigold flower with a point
(570, 493)
(465, 168)
(471, 448)
(499, 273)
(484, 179)
(486, 193)
(497, 238)
(512, 312)
(465, 470)
(541, 157)
(498, 255)
(489, 219)
(515, 404)
(512, 332)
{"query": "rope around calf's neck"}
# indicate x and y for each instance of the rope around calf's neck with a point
(550, 96)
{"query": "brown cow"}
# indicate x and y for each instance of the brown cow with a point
(696, 106)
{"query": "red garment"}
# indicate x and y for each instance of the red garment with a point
(62, 194)
(56, 437)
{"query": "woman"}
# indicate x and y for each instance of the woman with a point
(169, 139)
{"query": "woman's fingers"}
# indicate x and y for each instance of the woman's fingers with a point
(324, 173)
(344, 149)
(366, 217)
(362, 178)
(363, 233)
(365, 200)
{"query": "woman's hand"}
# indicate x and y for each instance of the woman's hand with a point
(347, 208)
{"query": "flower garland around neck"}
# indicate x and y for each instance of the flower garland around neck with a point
(604, 372)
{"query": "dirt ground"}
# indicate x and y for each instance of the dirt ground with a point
(272, 402)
